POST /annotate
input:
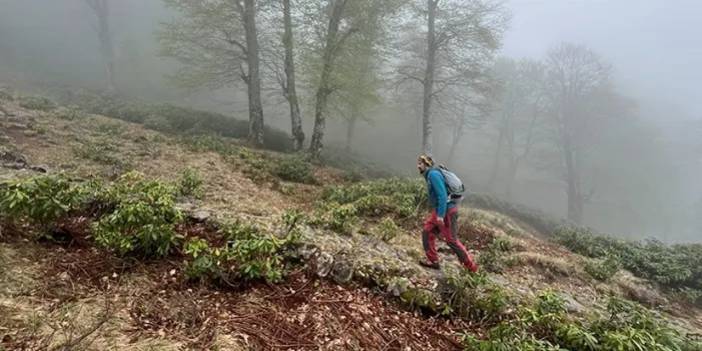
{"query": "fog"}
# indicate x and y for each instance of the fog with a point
(639, 173)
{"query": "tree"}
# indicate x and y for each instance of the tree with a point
(518, 117)
(101, 9)
(333, 41)
(289, 85)
(578, 92)
(461, 37)
(213, 41)
(461, 110)
(352, 33)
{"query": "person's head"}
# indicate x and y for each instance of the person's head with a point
(424, 162)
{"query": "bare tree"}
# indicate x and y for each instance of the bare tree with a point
(518, 117)
(216, 42)
(101, 8)
(463, 109)
(289, 85)
(460, 40)
(253, 78)
(576, 79)
(333, 41)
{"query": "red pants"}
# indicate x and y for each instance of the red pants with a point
(449, 233)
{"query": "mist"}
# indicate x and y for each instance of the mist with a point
(639, 172)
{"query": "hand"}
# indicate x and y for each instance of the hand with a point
(440, 222)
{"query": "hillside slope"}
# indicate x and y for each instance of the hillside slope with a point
(352, 282)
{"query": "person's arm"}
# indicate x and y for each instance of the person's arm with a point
(436, 180)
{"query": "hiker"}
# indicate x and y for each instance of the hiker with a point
(443, 217)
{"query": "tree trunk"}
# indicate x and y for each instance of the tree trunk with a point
(575, 198)
(290, 92)
(101, 9)
(457, 134)
(324, 90)
(350, 128)
(492, 182)
(253, 78)
(427, 141)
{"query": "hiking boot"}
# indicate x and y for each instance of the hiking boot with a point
(472, 266)
(429, 264)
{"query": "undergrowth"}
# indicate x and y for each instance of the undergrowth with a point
(544, 325)
(674, 267)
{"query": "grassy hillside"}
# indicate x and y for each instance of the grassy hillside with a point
(157, 233)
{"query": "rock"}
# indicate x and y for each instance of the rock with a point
(644, 294)
(12, 159)
(572, 305)
(63, 276)
(398, 286)
(199, 216)
(342, 270)
(325, 263)
(40, 169)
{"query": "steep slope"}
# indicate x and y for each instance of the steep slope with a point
(357, 285)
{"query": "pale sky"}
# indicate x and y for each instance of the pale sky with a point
(654, 45)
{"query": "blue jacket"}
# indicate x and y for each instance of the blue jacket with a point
(438, 195)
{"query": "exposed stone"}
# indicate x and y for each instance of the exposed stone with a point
(40, 168)
(12, 159)
(325, 263)
(572, 305)
(342, 271)
(643, 294)
(398, 286)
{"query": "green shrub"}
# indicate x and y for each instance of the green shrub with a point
(493, 259)
(673, 267)
(544, 324)
(158, 123)
(387, 229)
(174, 119)
(208, 143)
(339, 218)
(474, 296)
(37, 103)
(190, 183)
(70, 113)
(39, 200)
(399, 197)
(143, 218)
(295, 169)
(247, 255)
(100, 151)
(603, 269)
(111, 129)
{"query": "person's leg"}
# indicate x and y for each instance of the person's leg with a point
(429, 238)
(450, 234)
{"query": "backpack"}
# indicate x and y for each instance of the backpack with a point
(454, 185)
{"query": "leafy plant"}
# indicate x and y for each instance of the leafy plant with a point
(143, 219)
(40, 200)
(70, 113)
(37, 103)
(492, 259)
(190, 183)
(295, 169)
(544, 324)
(247, 255)
(100, 151)
(387, 229)
(674, 267)
(603, 269)
(474, 296)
